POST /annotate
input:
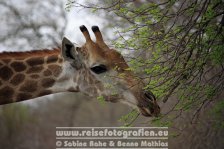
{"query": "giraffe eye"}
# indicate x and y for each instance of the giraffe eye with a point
(99, 69)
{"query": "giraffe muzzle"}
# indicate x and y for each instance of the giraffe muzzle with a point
(148, 105)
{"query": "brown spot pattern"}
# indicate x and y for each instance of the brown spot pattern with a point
(47, 73)
(18, 66)
(6, 61)
(28, 54)
(23, 96)
(17, 79)
(6, 94)
(48, 82)
(35, 61)
(34, 76)
(52, 59)
(46, 92)
(55, 69)
(60, 60)
(35, 69)
(5, 73)
(29, 86)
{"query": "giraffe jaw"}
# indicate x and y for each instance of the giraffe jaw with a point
(146, 105)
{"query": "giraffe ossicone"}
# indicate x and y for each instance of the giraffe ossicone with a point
(93, 69)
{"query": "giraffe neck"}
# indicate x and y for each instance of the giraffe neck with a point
(27, 75)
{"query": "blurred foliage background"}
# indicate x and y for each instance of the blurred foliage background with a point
(176, 46)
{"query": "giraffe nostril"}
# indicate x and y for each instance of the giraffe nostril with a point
(149, 95)
(151, 110)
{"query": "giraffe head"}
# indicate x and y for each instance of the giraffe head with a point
(107, 74)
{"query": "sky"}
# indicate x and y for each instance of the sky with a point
(76, 17)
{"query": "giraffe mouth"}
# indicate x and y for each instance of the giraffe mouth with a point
(149, 112)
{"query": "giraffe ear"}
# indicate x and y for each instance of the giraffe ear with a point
(70, 54)
(68, 49)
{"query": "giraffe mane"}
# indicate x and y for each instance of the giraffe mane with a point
(34, 53)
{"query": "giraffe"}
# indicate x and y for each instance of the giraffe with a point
(93, 69)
